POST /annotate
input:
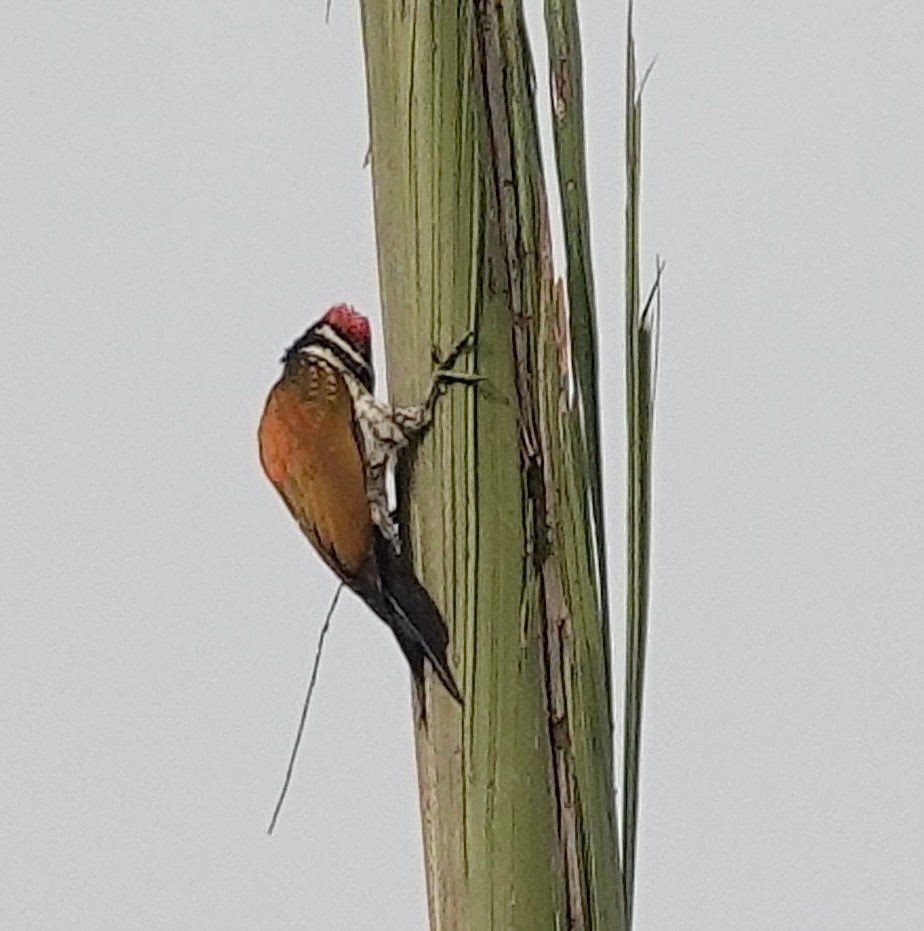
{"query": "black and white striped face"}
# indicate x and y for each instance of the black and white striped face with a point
(342, 337)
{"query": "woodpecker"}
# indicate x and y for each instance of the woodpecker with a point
(326, 443)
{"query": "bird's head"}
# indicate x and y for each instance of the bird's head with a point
(345, 332)
(351, 326)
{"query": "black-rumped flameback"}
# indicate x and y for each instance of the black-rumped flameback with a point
(326, 442)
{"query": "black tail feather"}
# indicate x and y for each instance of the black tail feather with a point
(413, 617)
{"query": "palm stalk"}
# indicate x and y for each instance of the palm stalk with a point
(502, 502)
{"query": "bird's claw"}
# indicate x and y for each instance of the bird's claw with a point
(443, 375)
(457, 378)
(445, 363)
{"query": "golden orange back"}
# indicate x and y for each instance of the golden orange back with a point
(309, 452)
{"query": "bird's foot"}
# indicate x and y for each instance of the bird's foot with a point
(445, 363)
(444, 375)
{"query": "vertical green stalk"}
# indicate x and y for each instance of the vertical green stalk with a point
(502, 502)
(444, 225)
(641, 349)
(567, 99)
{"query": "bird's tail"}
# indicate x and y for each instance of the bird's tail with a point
(413, 617)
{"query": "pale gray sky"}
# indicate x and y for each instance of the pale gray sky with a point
(181, 192)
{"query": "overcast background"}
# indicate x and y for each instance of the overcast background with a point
(181, 193)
